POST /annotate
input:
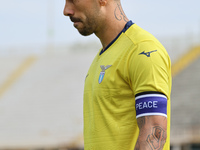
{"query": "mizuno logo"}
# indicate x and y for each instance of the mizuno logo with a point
(103, 68)
(147, 53)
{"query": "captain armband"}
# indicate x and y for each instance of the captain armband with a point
(150, 103)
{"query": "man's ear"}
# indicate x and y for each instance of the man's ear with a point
(103, 2)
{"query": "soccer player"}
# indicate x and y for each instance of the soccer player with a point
(127, 88)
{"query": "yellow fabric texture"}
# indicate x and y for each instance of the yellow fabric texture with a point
(109, 105)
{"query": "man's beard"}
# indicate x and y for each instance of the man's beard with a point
(88, 28)
(85, 31)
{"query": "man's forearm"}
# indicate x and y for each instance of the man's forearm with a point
(151, 137)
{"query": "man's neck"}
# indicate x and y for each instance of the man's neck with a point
(110, 33)
(112, 26)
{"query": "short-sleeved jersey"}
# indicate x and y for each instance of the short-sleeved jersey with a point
(134, 63)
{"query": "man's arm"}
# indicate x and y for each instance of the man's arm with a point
(153, 133)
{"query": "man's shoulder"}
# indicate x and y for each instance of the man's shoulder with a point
(137, 34)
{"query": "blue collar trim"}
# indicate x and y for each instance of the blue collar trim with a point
(128, 24)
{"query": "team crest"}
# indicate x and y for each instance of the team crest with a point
(102, 74)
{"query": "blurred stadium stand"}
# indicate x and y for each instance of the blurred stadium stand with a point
(185, 120)
(41, 92)
(41, 100)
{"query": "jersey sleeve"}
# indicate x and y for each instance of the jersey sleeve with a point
(150, 78)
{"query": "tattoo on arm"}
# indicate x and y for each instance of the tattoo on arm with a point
(156, 139)
(119, 13)
(152, 134)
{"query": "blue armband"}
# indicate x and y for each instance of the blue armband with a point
(147, 104)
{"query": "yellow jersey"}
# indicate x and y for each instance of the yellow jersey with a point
(133, 66)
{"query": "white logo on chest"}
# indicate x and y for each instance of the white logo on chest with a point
(102, 74)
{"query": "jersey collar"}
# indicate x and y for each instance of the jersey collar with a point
(128, 24)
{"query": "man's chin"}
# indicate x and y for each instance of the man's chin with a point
(85, 33)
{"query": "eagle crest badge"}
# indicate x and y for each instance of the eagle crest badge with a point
(102, 73)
